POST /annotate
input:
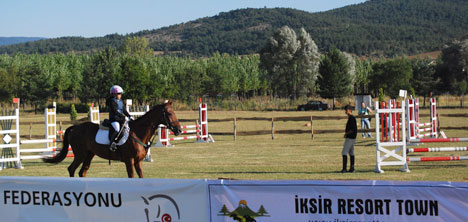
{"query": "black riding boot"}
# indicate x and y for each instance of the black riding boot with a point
(345, 162)
(112, 138)
(351, 169)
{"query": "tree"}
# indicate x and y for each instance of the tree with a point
(453, 69)
(290, 62)
(362, 78)
(36, 83)
(102, 72)
(454, 65)
(224, 211)
(391, 75)
(308, 59)
(424, 80)
(136, 46)
(334, 80)
(262, 211)
(135, 77)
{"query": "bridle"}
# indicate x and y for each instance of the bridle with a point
(166, 121)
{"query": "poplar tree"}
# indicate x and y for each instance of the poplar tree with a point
(290, 62)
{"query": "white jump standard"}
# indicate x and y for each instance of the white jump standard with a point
(390, 152)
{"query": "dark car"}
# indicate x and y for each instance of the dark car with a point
(313, 105)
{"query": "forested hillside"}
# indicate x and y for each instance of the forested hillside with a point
(375, 27)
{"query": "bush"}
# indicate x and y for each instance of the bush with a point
(73, 113)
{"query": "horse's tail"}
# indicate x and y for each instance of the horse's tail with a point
(63, 153)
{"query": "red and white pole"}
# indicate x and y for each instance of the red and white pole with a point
(437, 158)
(203, 111)
(437, 149)
(438, 140)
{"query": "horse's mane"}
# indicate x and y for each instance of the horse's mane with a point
(149, 116)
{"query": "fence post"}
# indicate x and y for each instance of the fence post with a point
(311, 128)
(30, 130)
(438, 123)
(235, 129)
(272, 128)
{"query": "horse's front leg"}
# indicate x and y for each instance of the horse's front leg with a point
(129, 164)
(138, 169)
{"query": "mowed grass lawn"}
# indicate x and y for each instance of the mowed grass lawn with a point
(287, 157)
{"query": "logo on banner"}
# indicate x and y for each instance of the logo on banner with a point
(243, 212)
(161, 208)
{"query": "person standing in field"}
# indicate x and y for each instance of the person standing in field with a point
(350, 139)
(365, 123)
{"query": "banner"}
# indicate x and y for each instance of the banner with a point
(337, 201)
(102, 199)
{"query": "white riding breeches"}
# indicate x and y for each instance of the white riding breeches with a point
(116, 126)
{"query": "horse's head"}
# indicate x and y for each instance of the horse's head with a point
(170, 118)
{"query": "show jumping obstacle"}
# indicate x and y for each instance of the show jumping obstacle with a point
(94, 114)
(50, 137)
(415, 128)
(23, 153)
(8, 158)
(390, 124)
(200, 129)
(390, 151)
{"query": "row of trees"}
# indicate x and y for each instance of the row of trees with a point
(289, 65)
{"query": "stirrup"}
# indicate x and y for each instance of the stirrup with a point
(113, 146)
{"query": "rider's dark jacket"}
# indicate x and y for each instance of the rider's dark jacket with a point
(117, 112)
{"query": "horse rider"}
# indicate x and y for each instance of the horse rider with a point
(117, 114)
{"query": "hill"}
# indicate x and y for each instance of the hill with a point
(375, 27)
(16, 40)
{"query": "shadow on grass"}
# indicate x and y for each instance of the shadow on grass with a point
(308, 173)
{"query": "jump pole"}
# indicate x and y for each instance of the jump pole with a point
(438, 140)
(437, 149)
(437, 158)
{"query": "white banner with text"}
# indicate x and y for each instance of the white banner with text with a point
(337, 201)
(102, 199)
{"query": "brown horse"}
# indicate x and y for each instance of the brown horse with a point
(81, 138)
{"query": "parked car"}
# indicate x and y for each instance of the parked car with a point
(313, 105)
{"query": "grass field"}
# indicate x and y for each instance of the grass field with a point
(294, 156)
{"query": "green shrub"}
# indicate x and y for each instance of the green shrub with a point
(73, 113)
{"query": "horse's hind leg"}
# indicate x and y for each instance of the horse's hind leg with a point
(86, 164)
(75, 164)
(138, 169)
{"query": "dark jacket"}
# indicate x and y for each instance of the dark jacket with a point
(117, 111)
(351, 127)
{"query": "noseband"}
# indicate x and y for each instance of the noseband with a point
(167, 121)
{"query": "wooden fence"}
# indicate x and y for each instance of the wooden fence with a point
(272, 131)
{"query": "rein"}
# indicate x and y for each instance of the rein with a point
(168, 123)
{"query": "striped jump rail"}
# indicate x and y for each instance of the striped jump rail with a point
(438, 140)
(437, 149)
(437, 158)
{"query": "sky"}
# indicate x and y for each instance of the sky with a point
(96, 18)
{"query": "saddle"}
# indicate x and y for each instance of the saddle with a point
(102, 136)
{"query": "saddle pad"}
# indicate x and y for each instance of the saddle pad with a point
(102, 136)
